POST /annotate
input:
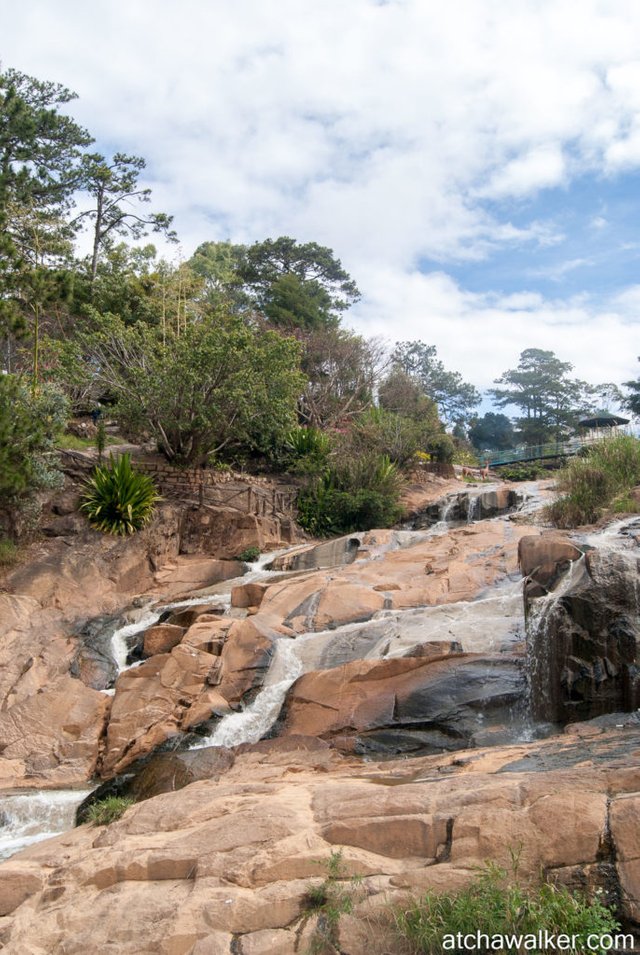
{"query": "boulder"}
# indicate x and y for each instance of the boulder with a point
(248, 595)
(161, 638)
(544, 559)
(171, 693)
(583, 639)
(414, 704)
(61, 725)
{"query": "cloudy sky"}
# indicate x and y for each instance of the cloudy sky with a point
(475, 164)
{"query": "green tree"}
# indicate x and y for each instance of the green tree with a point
(492, 431)
(118, 199)
(28, 427)
(454, 397)
(324, 287)
(550, 401)
(217, 385)
(218, 265)
(632, 399)
(40, 151)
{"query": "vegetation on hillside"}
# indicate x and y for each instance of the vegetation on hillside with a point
(494, 904)
(239, 355)
(600, 478)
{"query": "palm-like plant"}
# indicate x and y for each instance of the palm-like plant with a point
(117, 499)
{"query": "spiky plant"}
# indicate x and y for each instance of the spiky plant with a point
(117, 499)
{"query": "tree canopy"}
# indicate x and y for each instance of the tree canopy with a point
(454, 397)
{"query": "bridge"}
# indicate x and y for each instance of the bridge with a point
(538, 452)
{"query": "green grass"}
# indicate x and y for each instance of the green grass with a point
(328, 902)
(598, 480)
(8, 553)
(71, 442)
(108, 810)
(494, 905)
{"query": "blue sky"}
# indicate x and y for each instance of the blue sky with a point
(475, 165)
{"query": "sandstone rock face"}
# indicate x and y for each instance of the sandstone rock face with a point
(583, 638)
(474, 505)
(224, 865)
(419, 704)
(57, 729)
(543, 560)
(217, 664)
(226, 532)
(406, 573)
(162, 638)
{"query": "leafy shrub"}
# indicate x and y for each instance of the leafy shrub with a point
(358, 494)
(249, 555)
(119, 500)
(29, 422)
(494, 905)
(108, 810)
(306, 450)
(527, 471)
(591, 483)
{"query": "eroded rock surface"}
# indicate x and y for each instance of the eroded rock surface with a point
(225, 865)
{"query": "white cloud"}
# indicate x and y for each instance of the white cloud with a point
(377, 129)
(482, 335)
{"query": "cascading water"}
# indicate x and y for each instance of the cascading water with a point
(582, 636)
(26, 818)
(252, 723)
(492, 623)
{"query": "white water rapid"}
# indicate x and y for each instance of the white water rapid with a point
(492, 623)
(28, 817)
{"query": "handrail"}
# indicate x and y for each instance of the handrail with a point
(555, 449)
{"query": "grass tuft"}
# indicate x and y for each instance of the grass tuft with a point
(108, 810)
(495, 906)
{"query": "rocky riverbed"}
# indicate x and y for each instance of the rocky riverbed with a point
(268, 720)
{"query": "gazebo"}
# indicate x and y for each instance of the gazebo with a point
(602, 423)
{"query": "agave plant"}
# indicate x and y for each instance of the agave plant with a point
(117, 499)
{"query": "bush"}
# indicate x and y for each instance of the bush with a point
(108, 810)
(330, 900)
(119, 500)
(592, 483)
(306, 450)
(494, 905)
(357, 494)
(249, 555)
(528, 471)
(29, 422)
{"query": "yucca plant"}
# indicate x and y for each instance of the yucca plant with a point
(117, 499)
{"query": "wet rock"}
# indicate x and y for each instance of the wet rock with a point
(334, 553)
(472, 505)
(583, 638)
(161, 638)
(172, 693)
(404, 704)
(544, 559)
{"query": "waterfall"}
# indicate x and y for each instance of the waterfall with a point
(254, 722)
(26, 818)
